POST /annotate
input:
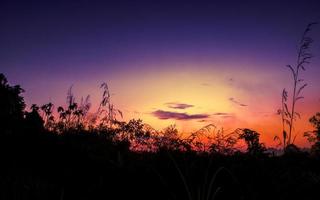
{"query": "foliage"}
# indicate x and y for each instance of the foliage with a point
(251, 137)
(169, 140)
(47, 110)
(71, 116)
(72, 158)
(135, 133)
(314, 136)
(11, 106)
(107, 113)
(33, 120)
(211, 139)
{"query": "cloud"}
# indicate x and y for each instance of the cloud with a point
(161, 114)
(224, 115)
(230, 81)
(228, 116)
(237, 102)
(178, 105)
(249, 85)
(205, 84)
(221, 114)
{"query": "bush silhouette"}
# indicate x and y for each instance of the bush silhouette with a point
(254, 147)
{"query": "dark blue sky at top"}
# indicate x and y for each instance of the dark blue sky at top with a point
(79, 38)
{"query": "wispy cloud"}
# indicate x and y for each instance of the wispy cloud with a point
(203, 120)
(237, 102)
(227, 116)
(206, 84)
(176, 105)
(161, 114)
(221, 113)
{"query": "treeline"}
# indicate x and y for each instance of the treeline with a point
(107, 124)
(68, 152)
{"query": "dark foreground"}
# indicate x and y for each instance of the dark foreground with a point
(85, 166)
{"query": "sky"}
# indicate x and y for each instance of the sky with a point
(188, 63)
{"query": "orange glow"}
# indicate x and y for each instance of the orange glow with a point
(233, 99)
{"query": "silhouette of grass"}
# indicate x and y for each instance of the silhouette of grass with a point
(289, 114)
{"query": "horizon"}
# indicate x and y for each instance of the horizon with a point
(185, 63)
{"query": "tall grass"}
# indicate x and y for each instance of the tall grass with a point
(206, 190)
(288, 112)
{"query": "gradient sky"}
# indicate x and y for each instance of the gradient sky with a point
(166, 62)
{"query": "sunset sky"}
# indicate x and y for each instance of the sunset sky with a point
(166, 62)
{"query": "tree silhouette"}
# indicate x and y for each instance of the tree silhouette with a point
(254, 147)
(170, 140)
(314, 136)
(211, 139)
(135, 133)
(33, 121)
(11, 106)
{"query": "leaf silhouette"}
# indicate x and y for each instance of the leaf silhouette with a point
(301, 88)
(298, 114)
(298, 98)
(292, 70)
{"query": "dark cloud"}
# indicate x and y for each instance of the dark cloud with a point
(237, 102)
(161, 114)
(178, 105)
